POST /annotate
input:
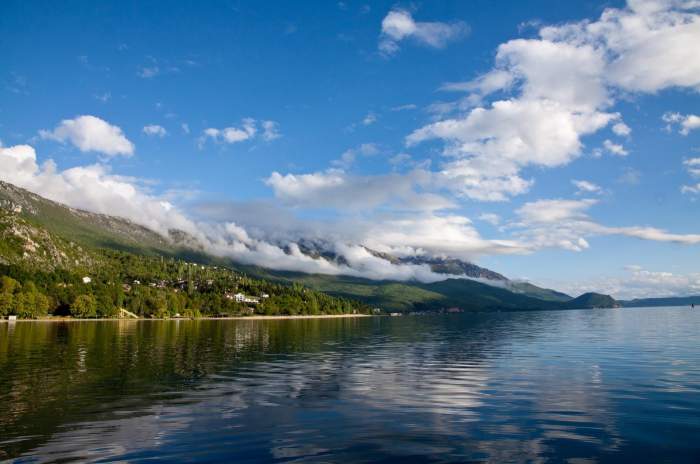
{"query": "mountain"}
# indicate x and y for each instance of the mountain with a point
(439, 265)
(592, 300)
(670, 301)
(43, 273)
(466, 294)
(77, 234)
(82, 226)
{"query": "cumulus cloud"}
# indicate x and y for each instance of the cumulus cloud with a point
(248, 130)
(685, 123)
(90, 133)
(155, 130)
(563, 84)
(649, 45)
(398, 25)
(493, 145)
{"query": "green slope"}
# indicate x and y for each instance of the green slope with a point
(466, 294)
(533, 291)
(592, 300)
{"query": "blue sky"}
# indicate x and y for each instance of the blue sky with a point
(442, 128)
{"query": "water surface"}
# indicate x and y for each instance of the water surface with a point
(561, 386)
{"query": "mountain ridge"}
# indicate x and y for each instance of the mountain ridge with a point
(481, 289)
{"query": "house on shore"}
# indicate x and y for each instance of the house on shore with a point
(242, 298)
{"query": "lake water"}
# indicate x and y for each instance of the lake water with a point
(562, 386)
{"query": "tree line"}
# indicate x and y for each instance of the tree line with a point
(154, 287)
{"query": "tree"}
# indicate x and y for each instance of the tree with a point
(8, 288)
(84, 306)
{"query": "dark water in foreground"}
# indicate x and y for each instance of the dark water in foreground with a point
(576, 386)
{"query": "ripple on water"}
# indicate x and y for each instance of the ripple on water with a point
(576, 386)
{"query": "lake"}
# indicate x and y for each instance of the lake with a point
(561, 386)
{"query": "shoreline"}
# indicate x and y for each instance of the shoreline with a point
(208, 318)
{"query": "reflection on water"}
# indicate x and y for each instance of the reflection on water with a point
(578, 386)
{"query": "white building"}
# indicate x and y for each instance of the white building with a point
(241, 298)
(87, 280)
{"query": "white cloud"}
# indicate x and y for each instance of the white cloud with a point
(155, 130)
(541, 132)
(485, 85)
(563, 84)
(692, 165)
(247, 131)
(399, 25)
(650, 45)
(554, 211)
(90, 133)
(614, 148)
(621, 129)
(565, 224)
(185, 127)
(685, 123)
(569, 74)
(336, 189)
(585, 187)
(492, 145)
(483, 179)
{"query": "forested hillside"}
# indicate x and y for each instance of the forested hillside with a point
(42, 273)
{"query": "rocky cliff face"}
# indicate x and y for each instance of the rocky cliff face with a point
(24, 243)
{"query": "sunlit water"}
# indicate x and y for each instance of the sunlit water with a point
(576, 386)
